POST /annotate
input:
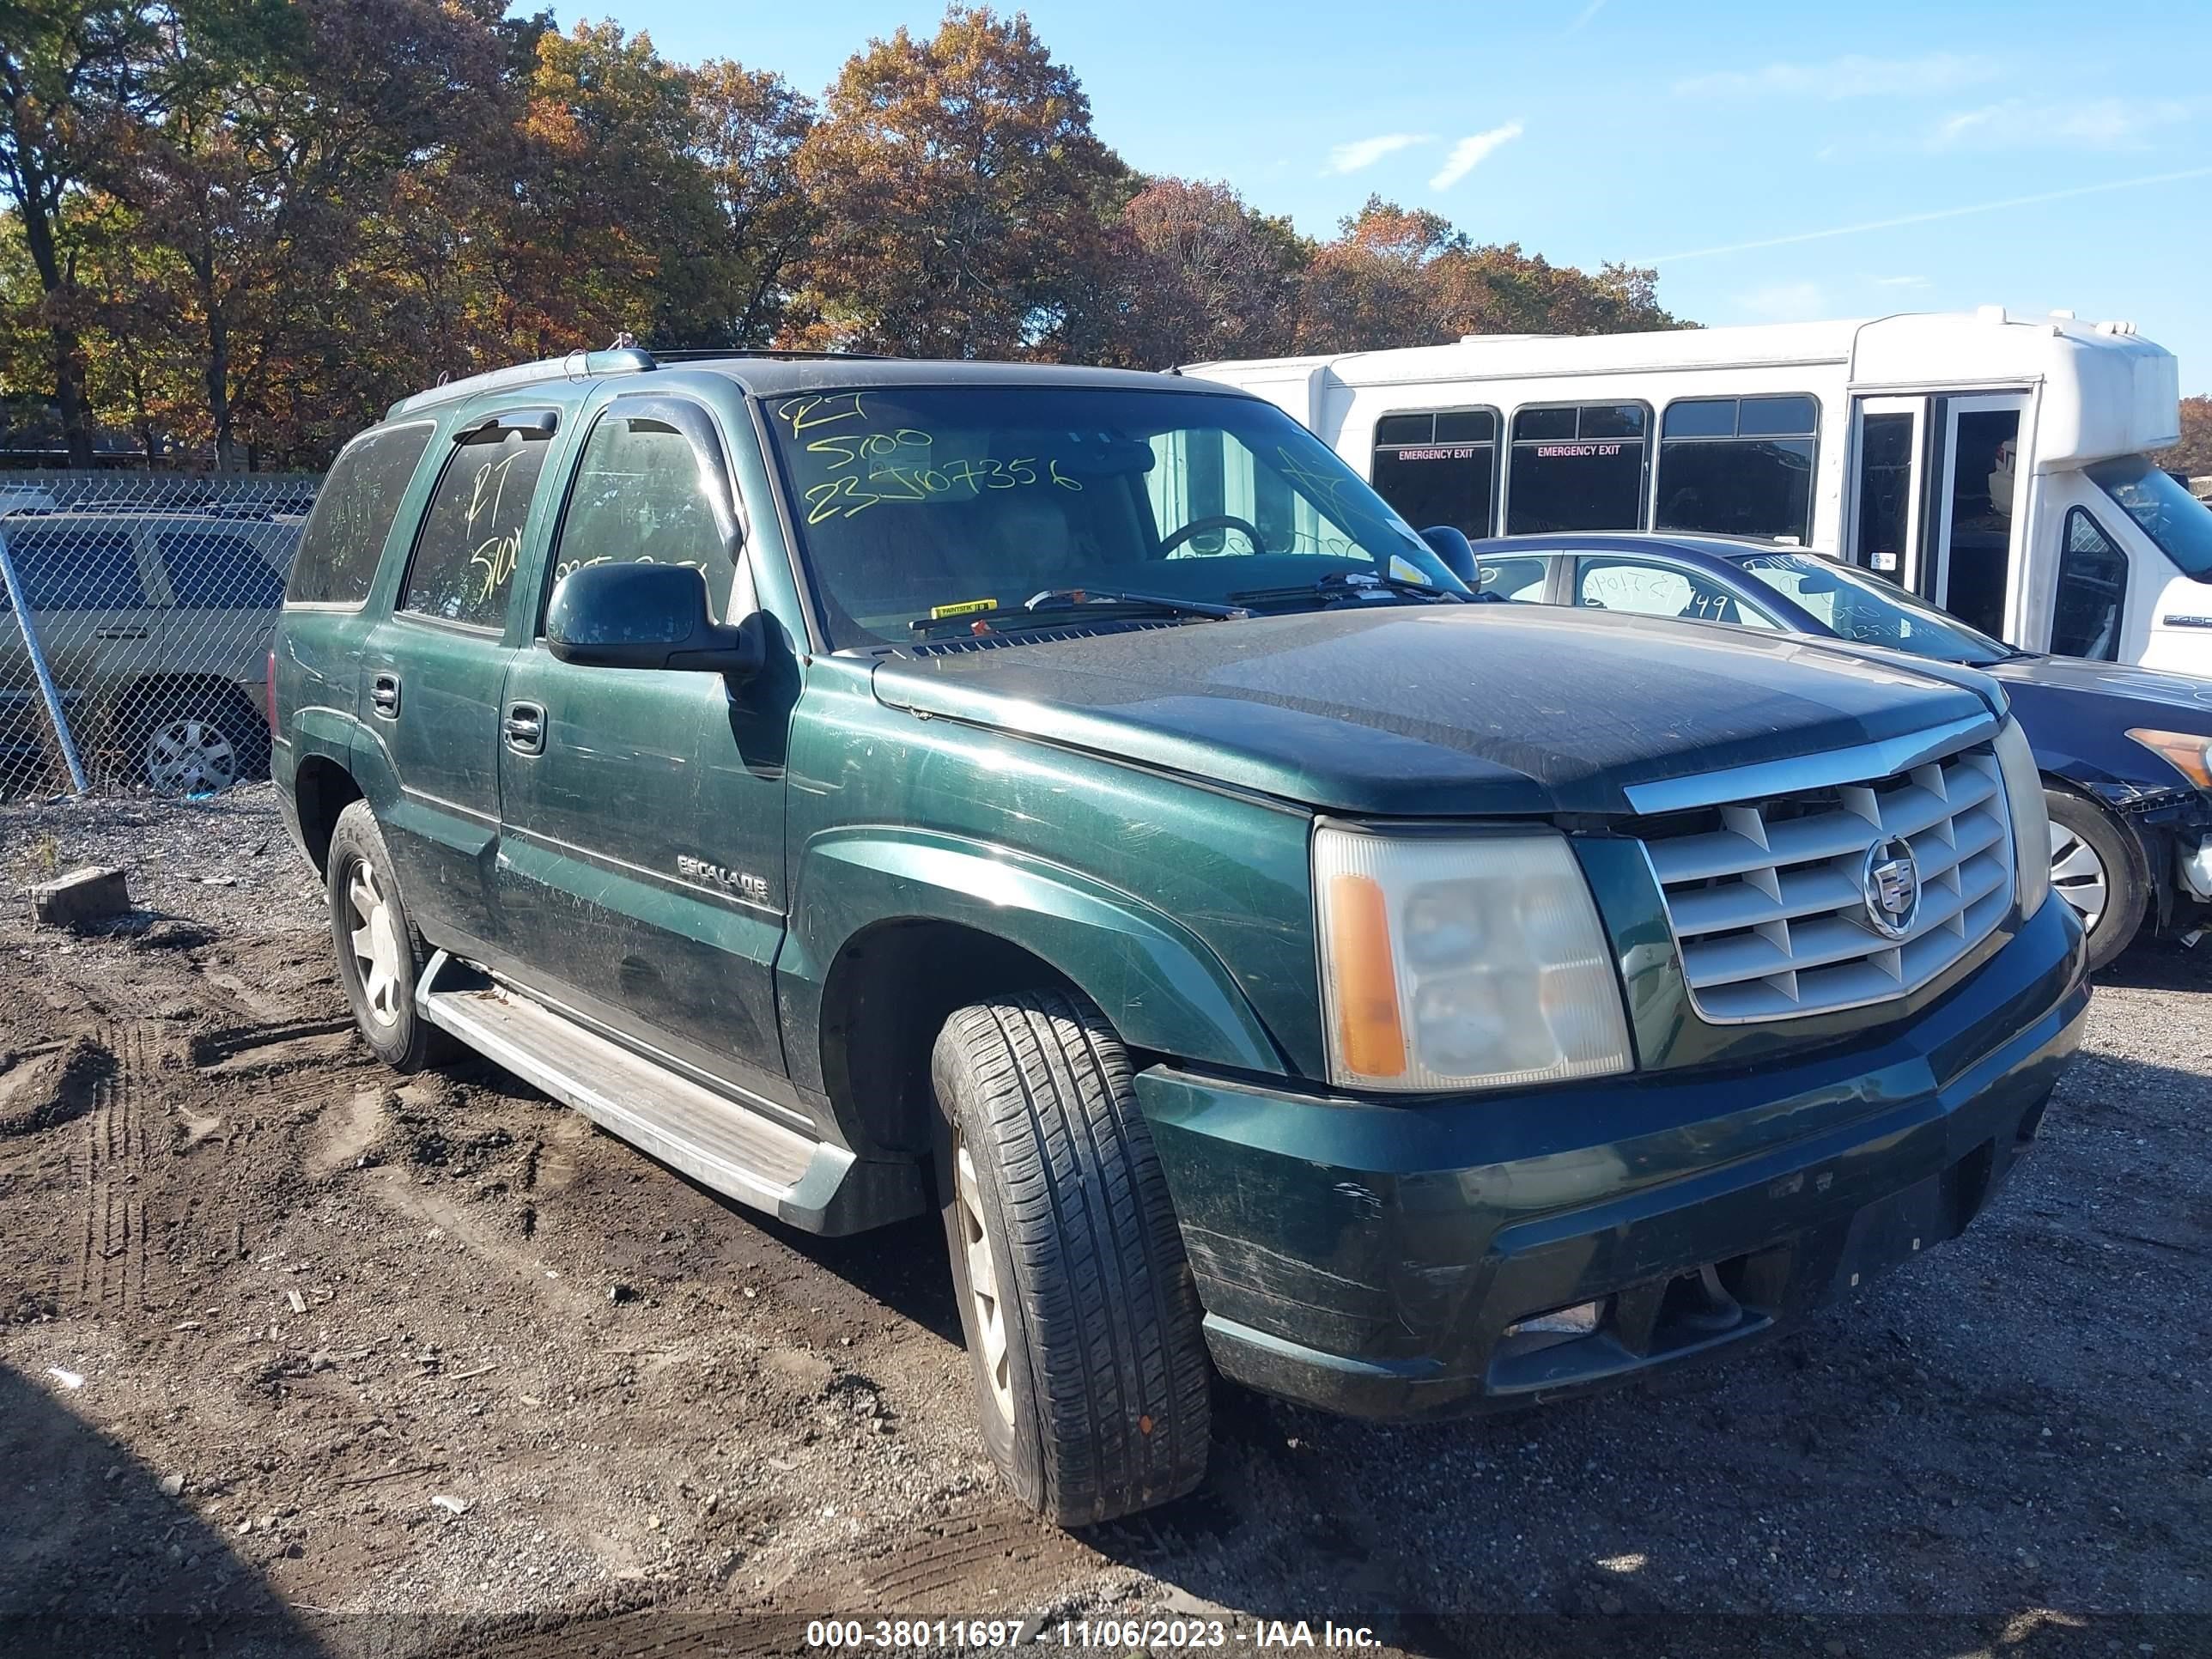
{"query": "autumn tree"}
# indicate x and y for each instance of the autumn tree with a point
(2192, 456)
(747, 126)
(283, 131)
(68, 80)
(1397, 277)
(604, 201)
(1223, 278)
(964, 198)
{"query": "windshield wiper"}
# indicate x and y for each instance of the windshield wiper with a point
(1354, 584)
(1057, 607)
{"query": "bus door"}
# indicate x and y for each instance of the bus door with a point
(1980, 502)
(1937, 492)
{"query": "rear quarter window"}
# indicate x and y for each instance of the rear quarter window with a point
(353, 514)
(223, 570)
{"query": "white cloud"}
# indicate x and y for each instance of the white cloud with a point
(2090, 124)
(1471, 153)
(1898, 282)
(1852, 76)
(1784, 302)
(1366, 152)
(1582, 17)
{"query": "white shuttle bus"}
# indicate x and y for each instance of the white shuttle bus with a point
(1996, 464)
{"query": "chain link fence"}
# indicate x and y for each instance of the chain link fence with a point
(135, 611)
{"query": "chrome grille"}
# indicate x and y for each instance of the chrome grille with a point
(1768, 898)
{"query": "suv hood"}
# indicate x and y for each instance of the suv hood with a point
(1436, 710)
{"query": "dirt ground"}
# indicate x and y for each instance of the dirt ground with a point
(296, 1356)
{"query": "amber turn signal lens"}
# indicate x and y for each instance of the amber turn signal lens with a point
(2190, 752)
(1373, 1040)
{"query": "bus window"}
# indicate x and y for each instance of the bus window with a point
(1439, 469)
(1885, 515)
(1739, 466)
(1578, 468)
(2092, 585)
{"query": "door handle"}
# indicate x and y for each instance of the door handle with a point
(118, 632)
(525, 728)
(383, 696)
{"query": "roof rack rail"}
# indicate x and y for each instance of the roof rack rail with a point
(708, 354)
(576, 366)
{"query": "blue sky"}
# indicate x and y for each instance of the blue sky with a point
(2038, 156)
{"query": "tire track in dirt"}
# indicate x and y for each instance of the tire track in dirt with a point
(113, 1264)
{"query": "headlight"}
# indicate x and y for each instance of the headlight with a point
(1462, 961)
(2031, 819)
(2190, 752)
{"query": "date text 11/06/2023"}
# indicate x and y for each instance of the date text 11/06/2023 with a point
(1118, 1634)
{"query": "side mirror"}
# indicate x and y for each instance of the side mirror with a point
(1457, 553)
(646, 615)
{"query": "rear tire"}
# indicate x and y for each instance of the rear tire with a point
(2096, 868)
(1082, 1320)
(380, 955)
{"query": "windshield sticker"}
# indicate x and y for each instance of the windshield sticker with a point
(965, 608)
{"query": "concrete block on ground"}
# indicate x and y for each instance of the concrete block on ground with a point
(93, 893)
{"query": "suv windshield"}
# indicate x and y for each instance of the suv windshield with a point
(2167, 512)
(933, 504)
(1870, 611)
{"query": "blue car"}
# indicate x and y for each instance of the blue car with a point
(2126, 753)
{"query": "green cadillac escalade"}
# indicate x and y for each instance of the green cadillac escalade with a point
(1072, 801)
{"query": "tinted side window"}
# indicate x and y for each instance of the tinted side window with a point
(464, 565)
(353, 513)
(219, 571)
(1440, 469)
(644, 494)
(63, 569)
(1576, 469)
(2091, 594)
(1739, 466)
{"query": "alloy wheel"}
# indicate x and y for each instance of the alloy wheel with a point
(377, 952)
(186, 756)
(983, 1289)
(2078, 876)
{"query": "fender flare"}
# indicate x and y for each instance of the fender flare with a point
(1163, 987)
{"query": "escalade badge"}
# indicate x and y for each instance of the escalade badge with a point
(1891, 879)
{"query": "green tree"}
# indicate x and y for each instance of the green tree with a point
(963, 199)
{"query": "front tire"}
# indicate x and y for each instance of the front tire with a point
(1082, 1320)
(380, 955)
(2093, 868)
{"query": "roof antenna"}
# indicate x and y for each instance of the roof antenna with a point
(624, 341)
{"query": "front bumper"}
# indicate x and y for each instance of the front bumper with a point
(1368, 1258)
(2175, 829)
